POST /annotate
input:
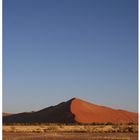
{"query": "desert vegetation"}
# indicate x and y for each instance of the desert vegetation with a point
(42, 128)
(71, 132)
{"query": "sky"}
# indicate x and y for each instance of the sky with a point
(54, 50)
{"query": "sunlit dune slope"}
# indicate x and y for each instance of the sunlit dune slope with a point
(88, 113)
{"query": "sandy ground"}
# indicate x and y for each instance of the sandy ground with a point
(69, 136)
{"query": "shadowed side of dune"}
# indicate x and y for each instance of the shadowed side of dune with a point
(86, 112)
(60, 113)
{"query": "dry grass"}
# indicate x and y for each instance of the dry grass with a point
(71, 128)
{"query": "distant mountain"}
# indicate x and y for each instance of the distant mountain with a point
(73, 111)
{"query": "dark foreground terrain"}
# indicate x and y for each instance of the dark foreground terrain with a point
(70, 136)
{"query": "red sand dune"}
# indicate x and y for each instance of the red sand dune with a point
(72, 111)
(88, 113)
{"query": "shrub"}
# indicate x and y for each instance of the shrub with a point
(52, 128)
(130, 129)
(13, 129)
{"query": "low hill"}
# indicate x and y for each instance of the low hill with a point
(6, 114)
(73, 111)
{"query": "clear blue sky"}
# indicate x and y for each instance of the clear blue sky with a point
(58, 49)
